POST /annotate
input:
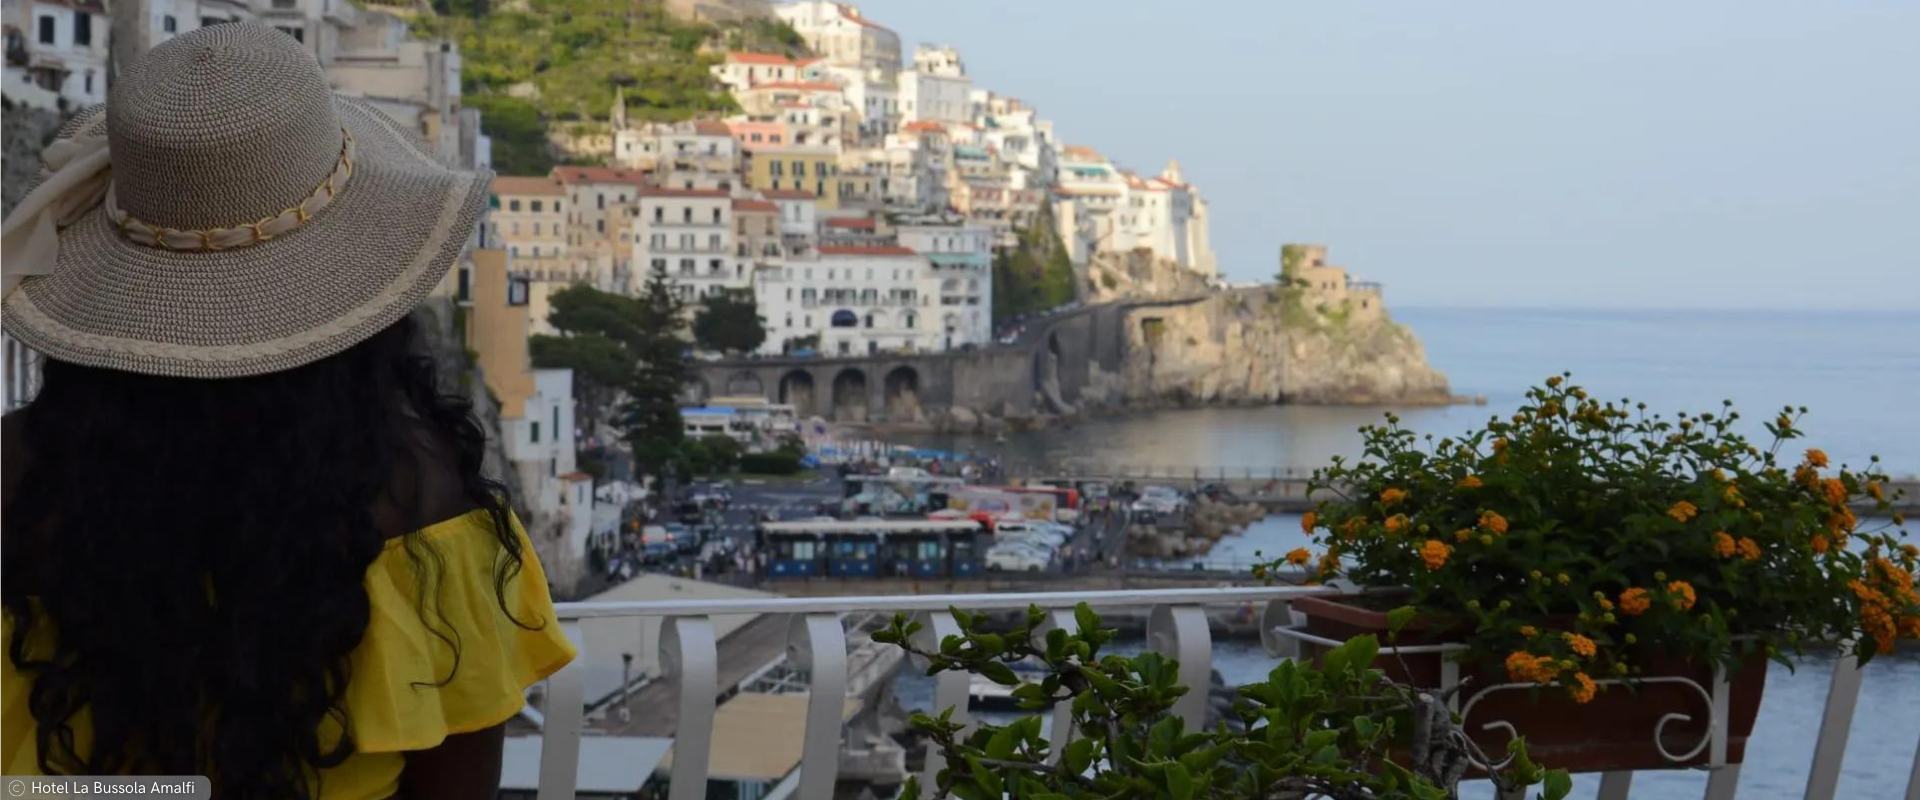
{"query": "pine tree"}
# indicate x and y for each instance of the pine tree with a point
(651, 418)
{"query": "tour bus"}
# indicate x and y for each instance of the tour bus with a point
(880, 548)
(899, 493)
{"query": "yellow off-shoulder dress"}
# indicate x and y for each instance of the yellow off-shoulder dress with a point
(393, 703)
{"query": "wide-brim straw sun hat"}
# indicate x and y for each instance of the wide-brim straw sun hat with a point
(228, 214)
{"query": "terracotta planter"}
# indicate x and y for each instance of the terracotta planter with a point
(1616, 731)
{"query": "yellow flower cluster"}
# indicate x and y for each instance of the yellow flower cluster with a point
(1308, 522)
(1299, 556)
(1391, 496)
(1723, 545)
(1635, 601)
(1524, 666)
(1469, 482)
(1435, 553)
(1749, 549)
(1492, 522)
(1683, 511)
(1397, 523)
(1683, 596)
(1580, 644)
(1583, 688)
(1887, 604)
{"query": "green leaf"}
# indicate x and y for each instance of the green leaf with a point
(1318, 739)
(999, 673)
(1084, 616)
(1559, 784)
(1398, 618)
(1179, 782)
(968, 790)
(1002, 743)
(1078, 756)
(1161, 736)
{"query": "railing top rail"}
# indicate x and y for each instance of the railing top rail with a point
(935, 602)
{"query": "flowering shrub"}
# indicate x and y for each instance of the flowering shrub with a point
(1563, 542)
(1341, 730)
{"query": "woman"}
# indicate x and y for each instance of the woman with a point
(245, 536)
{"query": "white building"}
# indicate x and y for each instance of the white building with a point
(874, 102)
(739, 70)
(1023, 141)
(540, 445)
(56, 53)
(696, 151)
(936, 88)
(960, 261)
(689, 235)
(915, 175)
(838, 32)
(858, 299)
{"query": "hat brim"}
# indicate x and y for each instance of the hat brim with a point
(360, 264)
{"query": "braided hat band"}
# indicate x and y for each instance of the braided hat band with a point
(254, 232)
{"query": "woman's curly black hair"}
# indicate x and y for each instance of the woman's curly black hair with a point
(185, 559)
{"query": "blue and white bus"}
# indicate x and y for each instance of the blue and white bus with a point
(874, 548)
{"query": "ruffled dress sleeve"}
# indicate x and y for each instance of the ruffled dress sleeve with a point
(448, 649)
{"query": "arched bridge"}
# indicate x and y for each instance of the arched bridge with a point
(1056, 363)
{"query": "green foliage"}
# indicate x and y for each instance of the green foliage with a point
(594, 358)
(1339, 731)
(650, 418)
(1562, 542)
(1035, 276)
(729, 322)
(519, 134)
(569, 55)
(757, 35)
(810, 341)
(710, 455)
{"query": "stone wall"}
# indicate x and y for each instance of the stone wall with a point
(1251, 347)
(26, 131)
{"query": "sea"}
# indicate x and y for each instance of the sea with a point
(1857, 373)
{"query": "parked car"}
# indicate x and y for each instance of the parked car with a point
(1160, 500)
(1003, 558)
(1029, 530)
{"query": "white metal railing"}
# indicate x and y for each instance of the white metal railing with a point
(1177, 626)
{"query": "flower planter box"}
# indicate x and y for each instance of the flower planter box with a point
(1624, 728)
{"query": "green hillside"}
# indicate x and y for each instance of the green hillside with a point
(536, 63)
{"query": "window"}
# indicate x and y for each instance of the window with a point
(686, 266)
(600, 226)
(536, 206)
(46, 30)
(809, 320)
(516, 291)
(774, 138)
(556, 419)
(773, 167)
(716, 216)
(820, 188)
(713, 266)
(789, 299)
(536, 432)
(536, 228)
(713, 242)
(82, 28)
(659, 214)
(601, 201)
(556, 207)
(789, 320)
(659, 265)
(89, 89)
(799, 168)
(169, 25)
(553, 466)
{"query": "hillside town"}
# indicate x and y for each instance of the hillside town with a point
(859, 199)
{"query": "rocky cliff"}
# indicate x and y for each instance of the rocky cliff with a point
(1268, 346)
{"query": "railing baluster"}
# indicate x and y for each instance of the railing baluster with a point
(1614, 785)
(950, 688)
(560, 725)
(1722, 782)
(1843, 695)
(1062, 731)
(1278, 614)
(689, 656)
(817, 643)
(1180, 633)
(1913, 780)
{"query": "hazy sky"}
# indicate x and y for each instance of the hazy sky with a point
(1617, 154)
